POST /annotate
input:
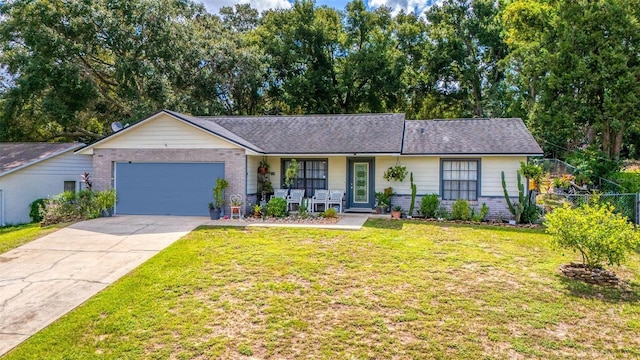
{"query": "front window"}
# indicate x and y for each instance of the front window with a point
(460, 179)
(70, 186)
(312, 175)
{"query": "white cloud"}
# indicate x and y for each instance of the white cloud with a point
(416, 6)
(213, 6)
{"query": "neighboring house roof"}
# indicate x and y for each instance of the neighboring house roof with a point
(468, 136)
(315, 134)
(15, 156)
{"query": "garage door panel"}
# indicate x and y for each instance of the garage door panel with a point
(166, 188)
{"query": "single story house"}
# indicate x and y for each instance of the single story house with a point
(30, 171)
(168, 163)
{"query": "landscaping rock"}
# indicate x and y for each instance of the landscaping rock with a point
(591, 275)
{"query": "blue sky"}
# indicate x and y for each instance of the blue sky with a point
(417, 6)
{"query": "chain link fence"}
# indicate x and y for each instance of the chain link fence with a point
(557, 168)
(626, 204)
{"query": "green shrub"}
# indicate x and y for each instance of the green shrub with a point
(592, 164)
(594, 230)
(629, 181)
(330, 213)
(106, 199)
(35, 210)
(481, 215)
(277, 207)
(442, 213)
(61, 208)
(87, 201)
(461, 210)
(429, 205)
(70, 206)
(531, 212)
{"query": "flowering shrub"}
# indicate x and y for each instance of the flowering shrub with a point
(594, 230)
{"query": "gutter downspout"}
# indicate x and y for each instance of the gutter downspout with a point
(2, 223)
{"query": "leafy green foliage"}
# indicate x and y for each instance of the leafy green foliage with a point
(218, 192)
(429, 205)
(481, 214)
(600, 235)
(592, 164)
(106, 199)
(395, 173)
(464, 50)
(70, 206)
(277, 207)
(533, 172)
(291, 173)
(461, 210)
(575, 68)
(330, 213)
(35, 210)
(629, 181)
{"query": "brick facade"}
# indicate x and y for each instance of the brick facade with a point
(498, 208)
(234, 164)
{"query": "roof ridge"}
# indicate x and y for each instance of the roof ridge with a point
(207, 117)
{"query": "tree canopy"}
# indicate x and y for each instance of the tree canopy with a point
(569, 68)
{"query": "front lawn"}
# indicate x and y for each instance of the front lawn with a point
(393, 290)
(13, 236)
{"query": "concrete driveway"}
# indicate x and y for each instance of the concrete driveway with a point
(46, 278)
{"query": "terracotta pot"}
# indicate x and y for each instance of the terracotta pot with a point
(395, 214)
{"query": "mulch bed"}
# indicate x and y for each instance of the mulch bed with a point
(493, 223)
(291, 219)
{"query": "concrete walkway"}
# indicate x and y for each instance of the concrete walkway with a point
(46, 278)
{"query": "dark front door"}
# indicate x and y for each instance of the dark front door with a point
(360, 180)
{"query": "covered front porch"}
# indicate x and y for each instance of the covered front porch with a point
(358, 177)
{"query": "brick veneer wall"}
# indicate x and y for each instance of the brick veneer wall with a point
(497, 205)
(234, 165)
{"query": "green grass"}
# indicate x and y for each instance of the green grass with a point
(13, 236)
(393, 290)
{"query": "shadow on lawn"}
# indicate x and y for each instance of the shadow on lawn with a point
(384, 224)
(630, 294)
(475, 225)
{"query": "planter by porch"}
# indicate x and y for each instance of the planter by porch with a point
(108, 212)
(214, 214)
(395, 214)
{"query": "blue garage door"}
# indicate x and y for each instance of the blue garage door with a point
(166, 188)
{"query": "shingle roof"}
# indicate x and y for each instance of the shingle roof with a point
(314, 134)
(469, 136)
(212, 126)
(14, 156)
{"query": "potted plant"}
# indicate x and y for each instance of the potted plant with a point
(235, 203)
(266, 189)
(257, 211)
(291, 173)
(395, 173)
(396, 212)
(218, 197)
(214, 214)
(383, 201)
(263, 167)
(106, 201)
